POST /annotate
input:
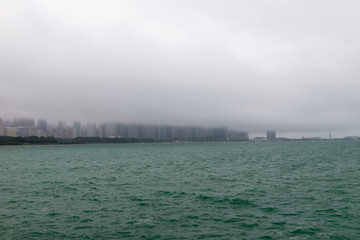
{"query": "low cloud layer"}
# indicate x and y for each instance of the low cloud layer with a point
(284, 65)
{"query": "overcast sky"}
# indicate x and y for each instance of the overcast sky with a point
(252, 65)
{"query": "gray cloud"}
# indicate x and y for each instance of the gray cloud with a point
(285, 65)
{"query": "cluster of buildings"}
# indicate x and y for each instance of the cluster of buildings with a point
(25, 127)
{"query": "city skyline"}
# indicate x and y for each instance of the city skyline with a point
(97, 129)
(26, 127)
(259, 65)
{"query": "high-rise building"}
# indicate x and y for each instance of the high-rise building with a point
(122, 130)
(101, 130)
(198, 133)
(91, 129)
(133, 131)
(218, 134)
(149, 131)
(24, 122)
(174, 132)
(60, 133)
(182, 132)
(205, 132)
(110, 129)
(238, 136)
(22, 132)
(77, 129)
(2, 129)
(270, 135)
(69, 132)
(163, 133)
(33, 131)
(11, 132)
(189, 132)
(42, 125)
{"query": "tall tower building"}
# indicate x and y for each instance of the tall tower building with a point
(24, 122)
(2, 129)
(60, 133)
(110, 129)
(122, 130)
(218, 133)
(149, 131)
(163, 132)
(270, 135)
(77, 129)
(133, 131)
(174, 132)
(42, 124)
(101, 130)
(91, 129)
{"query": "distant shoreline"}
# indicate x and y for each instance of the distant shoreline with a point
(8, 141)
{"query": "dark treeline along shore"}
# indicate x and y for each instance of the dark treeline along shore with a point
(6, 140)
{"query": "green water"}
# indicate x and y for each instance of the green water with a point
(294, 190)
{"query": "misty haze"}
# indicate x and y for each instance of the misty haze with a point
(292, 67)
(161, 119)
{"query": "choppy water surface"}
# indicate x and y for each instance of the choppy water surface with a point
(297, 190)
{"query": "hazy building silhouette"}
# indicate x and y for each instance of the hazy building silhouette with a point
(238, 136)
(77, 129)
(42, 128)
(69, 132)
(218, 134)
(110, 129)
(91, 129)
(24, 122)
(174, 132)
(11, 131)
(270, 135)
(2, 129)
(121, 130)
(133, 130)
(101, 130)
(149, 131)
(33, 131)
(198, 133)
(42, 124)
(60, 131)
(163, 133)
(22, 132)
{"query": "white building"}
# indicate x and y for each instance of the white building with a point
(10, 131)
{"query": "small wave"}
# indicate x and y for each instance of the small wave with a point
(266, 237)
(135, 199)
(144, 222)
(206, 236)
(72, 219)
(305, 231)
(82, 227)
(329, 210)
(269, 209)
(250, 225)
(279, 223)
(164, 193)
(238, 202)
(89, 211)
(86, 220)
(232, 220)
(233, 202)
(54, 214)
(204, 197)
